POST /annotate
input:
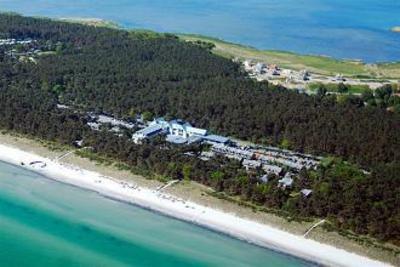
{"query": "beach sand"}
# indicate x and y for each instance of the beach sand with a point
(189, 202)
(396, 29)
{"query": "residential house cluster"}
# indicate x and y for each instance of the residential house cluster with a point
(272, 72)
(287, 158)
(259, 68)
(233, 152)
(4, 42)
(270, 160)
(96, 121)
(26, 51)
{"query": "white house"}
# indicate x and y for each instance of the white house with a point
(306, 192)
(286, 181)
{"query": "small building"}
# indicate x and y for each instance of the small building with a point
(339, 78)
(115, 129)
(272, 169)
(60, 106)
(78, 143)
(286, 181)
(216, 139)
(251, 164)
(206, 155)
(94, 126)
(260, 68)
(273, 67)
(264, 179)
(248, 64)
(306, 192)
(304, 75)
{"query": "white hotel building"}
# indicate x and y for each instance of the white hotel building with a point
(177, 132)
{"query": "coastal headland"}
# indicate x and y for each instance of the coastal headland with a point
(318, 64)
(262, 229)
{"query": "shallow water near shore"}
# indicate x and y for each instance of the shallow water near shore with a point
(353, 29)
(46, 223)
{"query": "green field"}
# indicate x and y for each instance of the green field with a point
(316, 64)
(333, 87)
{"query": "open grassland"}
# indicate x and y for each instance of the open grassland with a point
(333, 87)
(316, 64)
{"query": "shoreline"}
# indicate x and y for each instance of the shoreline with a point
(99, 22)
(116, 25)
(170, 205)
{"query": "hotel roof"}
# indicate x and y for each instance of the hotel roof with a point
(194, 139)
(216, 138)
(176, 139)
(150, 130)
(197, 131)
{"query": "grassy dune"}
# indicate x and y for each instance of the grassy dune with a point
(316, 64)
(93, 22)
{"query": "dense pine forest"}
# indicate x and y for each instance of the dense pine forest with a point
(126, 73)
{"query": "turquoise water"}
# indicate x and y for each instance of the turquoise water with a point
(357, 29)
(45, 223)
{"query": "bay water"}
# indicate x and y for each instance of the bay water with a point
(352, 29)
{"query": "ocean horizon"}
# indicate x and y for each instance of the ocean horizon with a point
(358, 29)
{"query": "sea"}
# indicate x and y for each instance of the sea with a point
(47, 223)
(343, 29)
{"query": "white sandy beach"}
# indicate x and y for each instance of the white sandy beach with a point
(230, 224)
